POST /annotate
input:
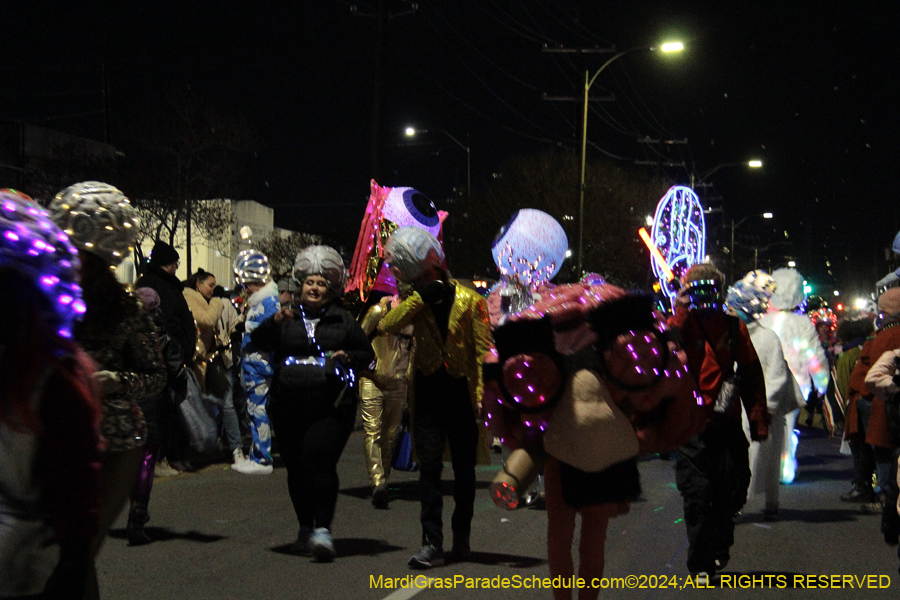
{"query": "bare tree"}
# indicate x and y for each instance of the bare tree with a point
(190, 155)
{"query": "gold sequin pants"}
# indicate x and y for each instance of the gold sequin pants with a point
(381, 413)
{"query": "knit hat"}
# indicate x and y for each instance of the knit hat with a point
(98, 218)
(148, 297)
(412, 251)
(324, 261)
(889, 302)
(163, 254)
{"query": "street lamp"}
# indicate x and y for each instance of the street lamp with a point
(753, 164)
(412, 131)
(588, 82)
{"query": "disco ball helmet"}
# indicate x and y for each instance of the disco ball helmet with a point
(251, 266)
(33, 246)
(750, 295)
(324, 261)
(98, 218)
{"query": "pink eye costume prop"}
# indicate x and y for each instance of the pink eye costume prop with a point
(587, 377)
(388, 210)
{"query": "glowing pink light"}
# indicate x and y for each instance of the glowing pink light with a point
(11, 236)
(518, 376)
(11, 207)
(79, 307)
(489, 416)
(638, 369)
(527, 423)
(517, 398)
(65, 299)
(526, 364)
(33, 252)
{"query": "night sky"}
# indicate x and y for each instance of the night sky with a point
(808, 87)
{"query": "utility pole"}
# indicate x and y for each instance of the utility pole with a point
(382, 19)
(107, 134)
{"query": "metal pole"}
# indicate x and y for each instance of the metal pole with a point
(587, 87)
(468, 167)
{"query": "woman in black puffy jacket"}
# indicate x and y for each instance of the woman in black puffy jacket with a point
(318, 348)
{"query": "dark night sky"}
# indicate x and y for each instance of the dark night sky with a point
(808, 87)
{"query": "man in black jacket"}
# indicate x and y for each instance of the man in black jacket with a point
(178, 323)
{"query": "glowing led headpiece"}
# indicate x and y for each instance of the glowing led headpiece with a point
(679, 233)
(251, 266)
(98, 218)
(31, 244)
(531, 246)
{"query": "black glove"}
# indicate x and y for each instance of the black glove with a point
(432, 292)
(68, 578)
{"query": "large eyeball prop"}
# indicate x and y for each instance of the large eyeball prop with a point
(406, 207)
(531, 246)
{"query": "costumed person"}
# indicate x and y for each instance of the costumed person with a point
(749, 300)
(867, 427)
(178, 326)
(851, 335)
(118, 333)
(251, 268)
(712, 469)
(210, 357)
(452, 334)
(585, 381)
(50, 444)
(802, 350)
(883, 380)
(383, 393)
(317, 349)
(138, 514)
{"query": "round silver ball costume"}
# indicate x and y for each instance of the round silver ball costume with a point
(98, 218)
(32, 245)
(251, 266)
(412, 251)
(751, 294)
(324, 261)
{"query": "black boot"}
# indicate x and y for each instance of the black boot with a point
(137, 518)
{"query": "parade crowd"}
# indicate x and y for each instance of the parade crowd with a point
(105, 387)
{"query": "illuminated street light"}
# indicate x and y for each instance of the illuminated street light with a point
(754, 164)
(767, 215)
(861, 303)
(667, 47)
(837, 293)
(792, 263)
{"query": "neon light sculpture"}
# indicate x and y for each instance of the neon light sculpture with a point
(679, 233)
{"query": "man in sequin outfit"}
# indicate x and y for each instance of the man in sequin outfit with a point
(452, 334)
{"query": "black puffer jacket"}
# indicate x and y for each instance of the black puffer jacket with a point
(177, 319)
(336, 330)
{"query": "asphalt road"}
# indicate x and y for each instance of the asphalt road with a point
(220, 535)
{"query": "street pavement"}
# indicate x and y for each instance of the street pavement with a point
(220, 535)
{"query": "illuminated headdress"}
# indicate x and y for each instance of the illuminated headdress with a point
(251, 266)
(32, 245)
(98, 218)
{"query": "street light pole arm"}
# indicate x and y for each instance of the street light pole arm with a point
(456, 141)
(615, 58)
(717, 167)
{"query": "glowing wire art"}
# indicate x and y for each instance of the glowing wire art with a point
(679, 233)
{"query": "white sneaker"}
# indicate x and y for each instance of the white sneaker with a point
(251, 467)
(239, 458)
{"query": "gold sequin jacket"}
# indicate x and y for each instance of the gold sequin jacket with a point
(468, 339)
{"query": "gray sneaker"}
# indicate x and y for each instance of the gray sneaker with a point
(321, 546)
(426, 558)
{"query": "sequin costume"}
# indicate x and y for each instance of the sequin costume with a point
(468, 339)
(383, 396)
(133, 353)
(256, 372)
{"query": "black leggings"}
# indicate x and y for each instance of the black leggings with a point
(311, 435)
